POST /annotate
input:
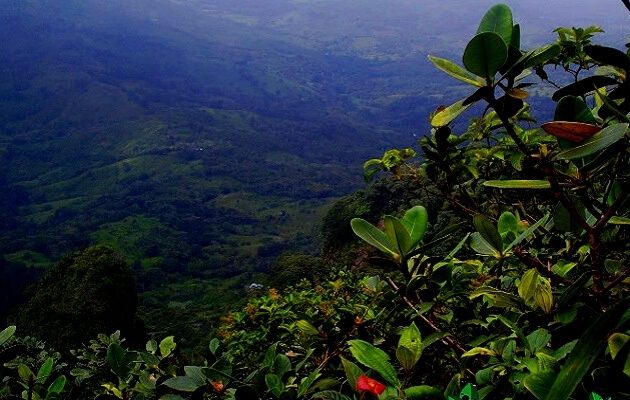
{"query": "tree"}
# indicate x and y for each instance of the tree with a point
(86, 293)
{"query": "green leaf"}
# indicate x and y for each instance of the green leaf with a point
(352, 371)
(498, 19)
(448, 114)
(529, 231)
(45, 370)
(281, 365)
(481, 246)
(6, 334)
(151, 346)
(119, 360)
(608, 56)
(599, 141)
(274, 384)
(456, 71)
(409, 347)
(374, 358)
(25, 373)
(538, 339)
(57, 385)
(423, 392)
(542, 55)
(584, 86)
(619, 220)
(485, 54)
(574, 109)
(589, 346)
(518, 184)
(476, 351)
(171, 397)
(529, 283)
(167, 346)
(183, 383)
(214, 346)
(508, 223)
(397, 234)
(544, 295)
(306, 328)
(372, 235)
(330, 395)
(307, 382)
(469, 392)
(488, 231)
(616, 342)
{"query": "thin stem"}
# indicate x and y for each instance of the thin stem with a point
(620, 278)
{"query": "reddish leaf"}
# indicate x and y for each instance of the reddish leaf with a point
(572, 131)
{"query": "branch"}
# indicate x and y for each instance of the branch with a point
(620, 278)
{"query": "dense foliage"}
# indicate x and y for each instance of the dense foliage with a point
(526, 298)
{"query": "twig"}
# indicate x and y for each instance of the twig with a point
(447, 340)
(620, 278)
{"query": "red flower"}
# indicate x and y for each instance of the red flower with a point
(367, 384)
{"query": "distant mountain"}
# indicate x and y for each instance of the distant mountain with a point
(201, 138)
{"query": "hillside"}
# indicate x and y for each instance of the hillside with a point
(200, 138)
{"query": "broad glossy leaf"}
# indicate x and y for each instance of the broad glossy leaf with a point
(373, 236)
(6, 334)
(601, 140)
(481, 245)
(538, 339)
(167, 346)
(456, 71)
(616, 342)
(574, 109)
(488, 231)
(45, 370)
(575, 132)
(529, 283)
(508, 223)
(423, 392)
(374, 358)
(485, 54)
(619, 220)
(608, 56)
(519, 184)
(25, 373)
(498, 19)
(542, 55)
(444, 116)
(416, 220)
(274, 384)
(57, 385)
(584, 86)
(330, 395)
(352, 371)
(476, 351)
(306, 328)
(183, 383)
(397, 234)
(409, 347)
(498, 298)
(544, 295)
(119, 360)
